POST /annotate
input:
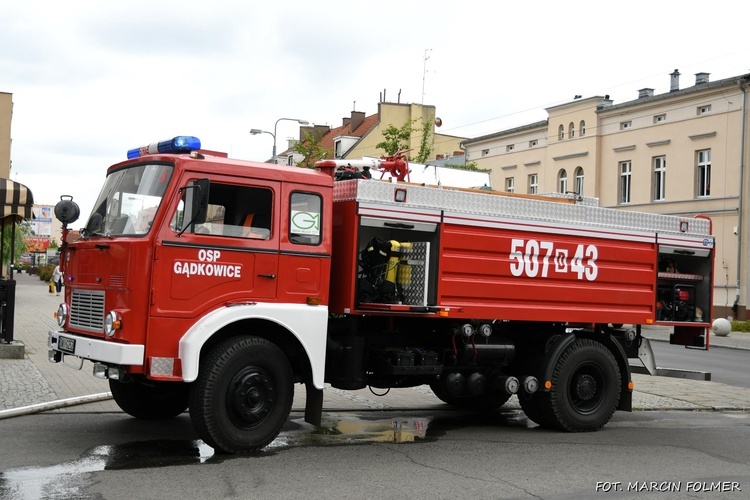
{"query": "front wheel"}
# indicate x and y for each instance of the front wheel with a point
(243, 395)
(585, 387)
(150, 400)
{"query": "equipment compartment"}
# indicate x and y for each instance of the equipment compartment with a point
(395, 264)
(683, 280)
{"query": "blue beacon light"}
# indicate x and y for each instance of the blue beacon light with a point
(179, 144)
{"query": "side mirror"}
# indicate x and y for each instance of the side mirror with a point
(196, 204)
(200, 201)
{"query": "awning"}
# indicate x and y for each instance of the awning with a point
(16, 201)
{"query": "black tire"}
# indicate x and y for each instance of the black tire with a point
(585, 387)
(150, 400)
(243, 395)
(486, 402)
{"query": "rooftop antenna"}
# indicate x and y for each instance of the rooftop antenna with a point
(424, 71)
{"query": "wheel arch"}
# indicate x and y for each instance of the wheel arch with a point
(299, 331)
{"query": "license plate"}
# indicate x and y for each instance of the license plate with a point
(66, 345)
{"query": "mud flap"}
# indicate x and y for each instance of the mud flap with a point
(313, 404)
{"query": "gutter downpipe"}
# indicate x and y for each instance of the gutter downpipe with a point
(742, 82)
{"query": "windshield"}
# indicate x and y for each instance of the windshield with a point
(129, 201)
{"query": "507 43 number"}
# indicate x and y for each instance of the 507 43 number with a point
(532, 258)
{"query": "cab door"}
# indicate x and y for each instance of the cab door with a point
(231, 257)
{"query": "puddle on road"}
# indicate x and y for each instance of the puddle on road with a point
(69, 480)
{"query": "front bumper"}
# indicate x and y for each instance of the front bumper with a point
(97, 350)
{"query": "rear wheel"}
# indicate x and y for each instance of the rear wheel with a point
(150, 400)
(585, 387)
(242, 396)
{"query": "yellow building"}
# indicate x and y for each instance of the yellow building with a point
(6, 114)
(358, 135)
(683, 152)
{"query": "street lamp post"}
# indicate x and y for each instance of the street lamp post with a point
(256, 131)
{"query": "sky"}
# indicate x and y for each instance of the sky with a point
(92, 79)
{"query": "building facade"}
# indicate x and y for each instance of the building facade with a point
(6, 114)
(359, 134)
(684, 152)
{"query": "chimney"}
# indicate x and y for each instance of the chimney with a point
(701, 78)
(357, 118)
(645, 93)
(345, 121)
(675, 82)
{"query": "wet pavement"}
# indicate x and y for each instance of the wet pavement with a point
(35, 380)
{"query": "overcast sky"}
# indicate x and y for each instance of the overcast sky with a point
(92, 79)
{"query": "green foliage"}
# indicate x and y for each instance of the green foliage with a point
(424, 145)
(741, 326)
(395, 139)
(45, 272)
(22, 230)
(311, 149)
(470, 166)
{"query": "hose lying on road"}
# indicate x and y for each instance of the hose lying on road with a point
(55, 405)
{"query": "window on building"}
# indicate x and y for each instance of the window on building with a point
(571, 130)
(702, 110)
(509, 148)
(534, 143)
(561, 133)
(660, 176)
(625, 179)
(510, 184)
(579, 180)
(660, 118)
(626, 125)
(337, 149)
(485, 152)
(290, 160)
(582, 128)
(533, 184)
(704, 172)
(562, 181)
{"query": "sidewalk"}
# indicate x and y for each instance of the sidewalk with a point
(35, 380)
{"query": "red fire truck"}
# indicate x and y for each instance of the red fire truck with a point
(212, 284)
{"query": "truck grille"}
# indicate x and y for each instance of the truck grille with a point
(87, 310)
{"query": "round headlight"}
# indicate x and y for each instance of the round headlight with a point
(62, 314)
(112, 323)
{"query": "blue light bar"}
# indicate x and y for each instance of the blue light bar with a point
(179, 144)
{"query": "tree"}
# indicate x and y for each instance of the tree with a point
(311, 150)
(395, 139)
(22, 230)
(424, 145)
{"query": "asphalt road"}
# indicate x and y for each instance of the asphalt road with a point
(381, 455)
(727, 366)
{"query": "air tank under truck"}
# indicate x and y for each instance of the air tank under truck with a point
(214, 285)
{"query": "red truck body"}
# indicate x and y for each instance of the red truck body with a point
(215, 284)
